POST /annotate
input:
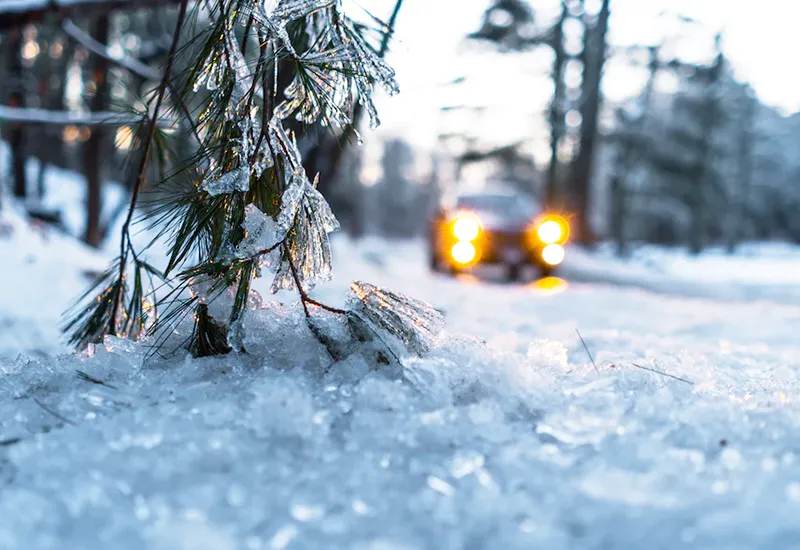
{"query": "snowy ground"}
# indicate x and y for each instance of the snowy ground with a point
(505, 436)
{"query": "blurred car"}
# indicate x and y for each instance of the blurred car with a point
(507, 229)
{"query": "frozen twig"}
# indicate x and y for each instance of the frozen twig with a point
(304, 297)
(125, 61)
(29, 115)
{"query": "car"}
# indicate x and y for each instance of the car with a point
(509, 229)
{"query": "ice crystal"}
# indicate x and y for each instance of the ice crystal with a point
(273, 17)
(412, 322)
(235, 180)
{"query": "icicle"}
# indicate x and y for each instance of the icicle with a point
(412, 322)
(282, 145)
(235, 180)
(307, 219)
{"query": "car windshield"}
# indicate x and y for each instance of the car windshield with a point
(505, 206)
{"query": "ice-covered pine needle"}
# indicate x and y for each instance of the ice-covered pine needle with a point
(412, 322)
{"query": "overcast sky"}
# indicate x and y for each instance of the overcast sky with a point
(761, 40)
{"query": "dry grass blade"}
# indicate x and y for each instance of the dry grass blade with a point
(54, 413)
(684, 380)
(589, 353)
(89, 378)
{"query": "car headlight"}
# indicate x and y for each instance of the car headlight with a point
(466, 228)
(550, 232)
(552, 229)
(463, 252)
(553, 254)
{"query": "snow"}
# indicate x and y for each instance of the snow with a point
(517, 444)
(504, 435)
(44, 270)
(756, 271)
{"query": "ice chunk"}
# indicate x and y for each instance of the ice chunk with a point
(410, 321)
(260, 233)
(229, 182)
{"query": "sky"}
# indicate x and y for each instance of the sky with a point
(760, 39)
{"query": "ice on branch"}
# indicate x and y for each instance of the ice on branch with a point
(235, 180)
(412, 322)
(307, 218)
(274, 16)
(283, 146)
(261, 233)
(338, 67)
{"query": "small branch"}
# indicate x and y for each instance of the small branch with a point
(684, 380)
(54, 413)
(312, 301)
(28, 115)
(267, 250)
(19, 14)
(589, 353)
(124, 61)
(304, 297)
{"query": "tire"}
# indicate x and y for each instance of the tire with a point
(434, 263)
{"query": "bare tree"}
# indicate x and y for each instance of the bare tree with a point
(93, 152)
(593, 59)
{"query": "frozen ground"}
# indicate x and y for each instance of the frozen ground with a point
(504, 436)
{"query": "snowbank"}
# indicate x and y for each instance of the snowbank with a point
(757, 271)
(44, 270)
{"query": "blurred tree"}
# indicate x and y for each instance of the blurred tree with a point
(96, 145)
(592, 58)
(396, 193)
(16, 98)
(511, 25)
(325, 150)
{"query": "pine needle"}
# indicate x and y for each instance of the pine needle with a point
(684, 380)
(54, 413)
(589, 353)
(89, 378)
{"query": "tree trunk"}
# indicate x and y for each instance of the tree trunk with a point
(745, 169)
(93, 152)
(704, 180)
(556, 117)
(16, 135)
(594, 53)
(630, 154)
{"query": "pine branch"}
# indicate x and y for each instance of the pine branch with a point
(125, 243)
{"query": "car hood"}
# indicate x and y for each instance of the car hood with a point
(493, 222)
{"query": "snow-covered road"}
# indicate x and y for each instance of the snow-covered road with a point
(504, 437)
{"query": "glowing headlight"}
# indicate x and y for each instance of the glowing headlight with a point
(553, 254)
(466, 228)
(463, 252)
(550, 232)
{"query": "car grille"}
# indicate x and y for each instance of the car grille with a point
(502, 239)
